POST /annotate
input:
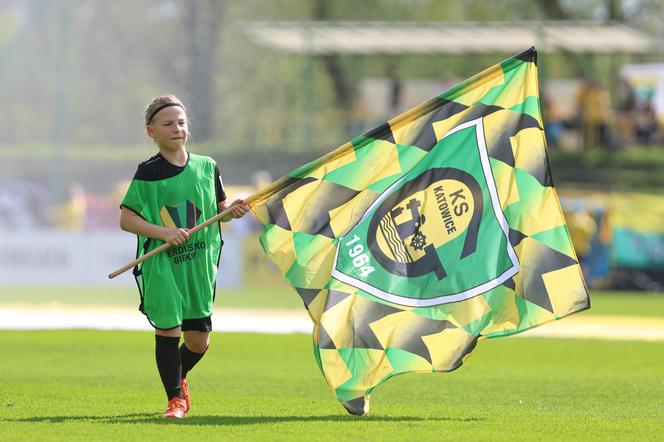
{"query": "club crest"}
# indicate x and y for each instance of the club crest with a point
(427, 212)
(441, 223)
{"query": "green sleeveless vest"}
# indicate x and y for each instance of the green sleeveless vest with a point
(179, 283)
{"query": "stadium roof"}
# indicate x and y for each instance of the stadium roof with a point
(365, 38)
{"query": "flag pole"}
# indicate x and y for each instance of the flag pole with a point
(165, 246)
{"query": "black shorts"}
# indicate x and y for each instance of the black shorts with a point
(200, 324)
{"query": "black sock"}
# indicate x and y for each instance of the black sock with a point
(189, 359)
(169, 364)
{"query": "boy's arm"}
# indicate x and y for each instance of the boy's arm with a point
(132, 222)
(239, 208)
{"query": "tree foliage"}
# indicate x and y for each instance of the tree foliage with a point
(87, 68)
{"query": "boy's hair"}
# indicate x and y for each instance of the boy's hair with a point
(160, 102)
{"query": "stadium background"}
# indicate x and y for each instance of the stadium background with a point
(272, 85)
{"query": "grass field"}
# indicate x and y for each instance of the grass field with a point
(96, 385)
(279, 297)
(92, 385)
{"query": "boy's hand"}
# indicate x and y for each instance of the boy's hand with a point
(175, 236)
(238, 208)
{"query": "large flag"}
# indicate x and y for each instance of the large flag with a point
(435, 229)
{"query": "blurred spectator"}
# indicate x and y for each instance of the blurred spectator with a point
(85, 210)
(645, 123)
(23, 205)
(625, 116)
(70, 215)
(101, 213)
(359, 118)
(595, 113)
(396, 89)
(248, 224)
(116, 195)
(553, 122)
(582, 229)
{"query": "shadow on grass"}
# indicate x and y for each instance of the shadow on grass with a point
(143, 418)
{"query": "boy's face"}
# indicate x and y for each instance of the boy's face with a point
(169, 128)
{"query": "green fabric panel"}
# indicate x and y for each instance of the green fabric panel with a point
(475, 327)
(513, 66)
(317, 358)
(354, 173)
(530, 106)
(403, 361)
(510, 74)
(305, 170)
(409, 156)
(520, 304)
(438, 312)
(306, 247)
(490, 97)
(358, 361)
(530, 191)
(496, 299)
(558, 239)
(266, 236)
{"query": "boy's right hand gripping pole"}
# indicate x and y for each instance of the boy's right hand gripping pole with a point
(165, 246)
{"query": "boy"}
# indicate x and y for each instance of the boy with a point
(171, 193)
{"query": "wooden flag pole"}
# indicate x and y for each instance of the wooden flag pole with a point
(165, 246)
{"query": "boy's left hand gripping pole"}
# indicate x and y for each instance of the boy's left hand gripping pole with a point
(165, 246)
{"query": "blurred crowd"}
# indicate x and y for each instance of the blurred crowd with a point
(597, 122)
(29, 206)
(577, 114)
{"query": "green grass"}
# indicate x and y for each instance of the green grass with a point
(631, 169)
(632, 157)
(93, 385)
(277, 297)
(626, 303)
(284, 297)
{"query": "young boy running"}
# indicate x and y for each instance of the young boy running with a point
(172, 192)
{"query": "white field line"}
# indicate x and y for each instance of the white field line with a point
(23, 317)
(115, 318)
(614, 328)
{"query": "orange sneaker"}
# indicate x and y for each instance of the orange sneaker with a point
(177, 408)
(185, 394)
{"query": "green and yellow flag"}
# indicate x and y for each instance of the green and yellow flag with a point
(439, 227)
